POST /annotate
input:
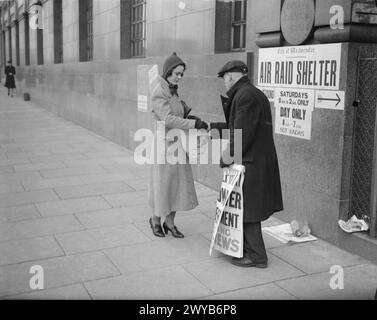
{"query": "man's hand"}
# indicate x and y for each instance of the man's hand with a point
(223, 164)
(199, 124)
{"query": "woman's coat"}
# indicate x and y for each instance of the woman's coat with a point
(171, 186)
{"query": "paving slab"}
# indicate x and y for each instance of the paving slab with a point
(6, 169)
(162, 253)
(38, 166)
(7, 162)
(360, 282)
(58, 272)
(38, 227)
(28, 155)
(19, 176)
(262, 292)
(58, 173)
(86, 162)
(100, 238)
(92, 190)
(55, 157)
(115, 216)
(18, 213)
(27, 197)
(316, 256)
(11, 187)
(62, 207)
(232, 278)
(127, 199)
(138, 185)
(33, 184)
(122, 169)
(27, 250)
(73, 292)
(168, 283)
(106, 177)
(188, 224)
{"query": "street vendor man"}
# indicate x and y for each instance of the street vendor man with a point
(248, 109)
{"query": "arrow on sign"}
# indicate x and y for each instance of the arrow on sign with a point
(320, 98)
(326, 99)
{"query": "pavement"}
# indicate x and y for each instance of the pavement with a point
(75, 204)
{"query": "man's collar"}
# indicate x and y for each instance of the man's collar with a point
(231, 92)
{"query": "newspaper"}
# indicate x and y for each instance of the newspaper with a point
(283, 233)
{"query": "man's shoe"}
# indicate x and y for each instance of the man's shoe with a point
(245, 262)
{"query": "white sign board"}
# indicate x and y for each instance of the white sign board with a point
(293, 112)
(297, 79)
(312, 67)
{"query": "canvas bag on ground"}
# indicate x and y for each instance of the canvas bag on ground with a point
(227, 236)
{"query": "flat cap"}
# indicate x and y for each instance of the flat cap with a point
(233, 66)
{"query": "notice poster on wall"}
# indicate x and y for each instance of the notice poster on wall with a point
(297, 80)
(312, 67)
(293, 112)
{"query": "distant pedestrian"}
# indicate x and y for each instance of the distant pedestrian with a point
(10, 83)
(171, 186)
(247, 108)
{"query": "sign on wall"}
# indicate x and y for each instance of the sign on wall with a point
(293, 112)
(313, 67)
(299, 79)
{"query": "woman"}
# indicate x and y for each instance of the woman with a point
(10, 71)
(171, 186)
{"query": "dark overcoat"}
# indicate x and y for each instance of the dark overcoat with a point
(247, 108)
(10, 71)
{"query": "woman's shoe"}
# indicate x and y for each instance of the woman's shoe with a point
(156, 229)
(174, 231)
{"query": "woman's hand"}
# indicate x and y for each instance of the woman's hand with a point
(199, 124)
(193, 118)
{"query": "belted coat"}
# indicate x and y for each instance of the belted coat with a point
(171, 186)
(247, 108)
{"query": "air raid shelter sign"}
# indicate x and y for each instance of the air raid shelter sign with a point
(297, 79)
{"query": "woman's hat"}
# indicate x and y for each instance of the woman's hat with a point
(172, 62)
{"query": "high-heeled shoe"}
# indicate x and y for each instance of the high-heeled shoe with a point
(156, 229)
(174, 231)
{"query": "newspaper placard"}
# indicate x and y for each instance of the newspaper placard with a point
(227, 236)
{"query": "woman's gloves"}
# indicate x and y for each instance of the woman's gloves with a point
(199, 124)
(193, 118)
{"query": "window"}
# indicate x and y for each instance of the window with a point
(17, 44)
(138, 27)
(239, 12)
(58, 31)
(9, 43)
(86, 29)
(230, 25)
(27, 39)
(2, 53)
(39, 46)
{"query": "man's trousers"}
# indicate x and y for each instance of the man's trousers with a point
(253, 242)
